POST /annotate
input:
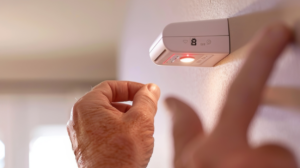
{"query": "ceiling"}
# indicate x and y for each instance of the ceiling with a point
(60, 39)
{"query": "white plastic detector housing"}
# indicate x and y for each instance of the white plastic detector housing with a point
(198, 43)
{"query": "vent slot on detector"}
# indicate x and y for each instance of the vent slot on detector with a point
(160, 55)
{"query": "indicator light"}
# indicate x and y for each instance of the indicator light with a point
(187, 59)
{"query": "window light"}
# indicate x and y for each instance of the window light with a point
(50, 148)
(2, 154)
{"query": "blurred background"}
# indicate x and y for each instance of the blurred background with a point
(52, 52)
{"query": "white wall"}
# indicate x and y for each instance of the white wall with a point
(204, 88)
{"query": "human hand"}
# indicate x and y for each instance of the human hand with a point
(227, 145)
(106, 133)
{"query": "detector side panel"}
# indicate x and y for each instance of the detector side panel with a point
(217, 27)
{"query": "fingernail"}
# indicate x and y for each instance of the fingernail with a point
(277, 32)
(154, 89)
(151, 87)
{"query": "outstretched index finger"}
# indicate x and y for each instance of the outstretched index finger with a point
(245, 93)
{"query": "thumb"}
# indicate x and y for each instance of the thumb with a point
(145, 101)
(186, 124)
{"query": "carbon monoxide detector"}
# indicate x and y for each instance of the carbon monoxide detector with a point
(197, 43)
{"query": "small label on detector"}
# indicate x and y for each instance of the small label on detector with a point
(203, 59)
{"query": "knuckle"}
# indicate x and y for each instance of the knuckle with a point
(78, 106)
(79, 109)
(141, 117)
(84, 104)
(107, 82)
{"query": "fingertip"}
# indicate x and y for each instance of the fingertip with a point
(154, 89)
(174, 104)
(180, 109)
(171, 103)
(187, 127)
(145, 100)
(279, 31)
(170, 99)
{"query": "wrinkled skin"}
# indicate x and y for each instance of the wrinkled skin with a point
(105, 133)
(227, 145)
(108, 134)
